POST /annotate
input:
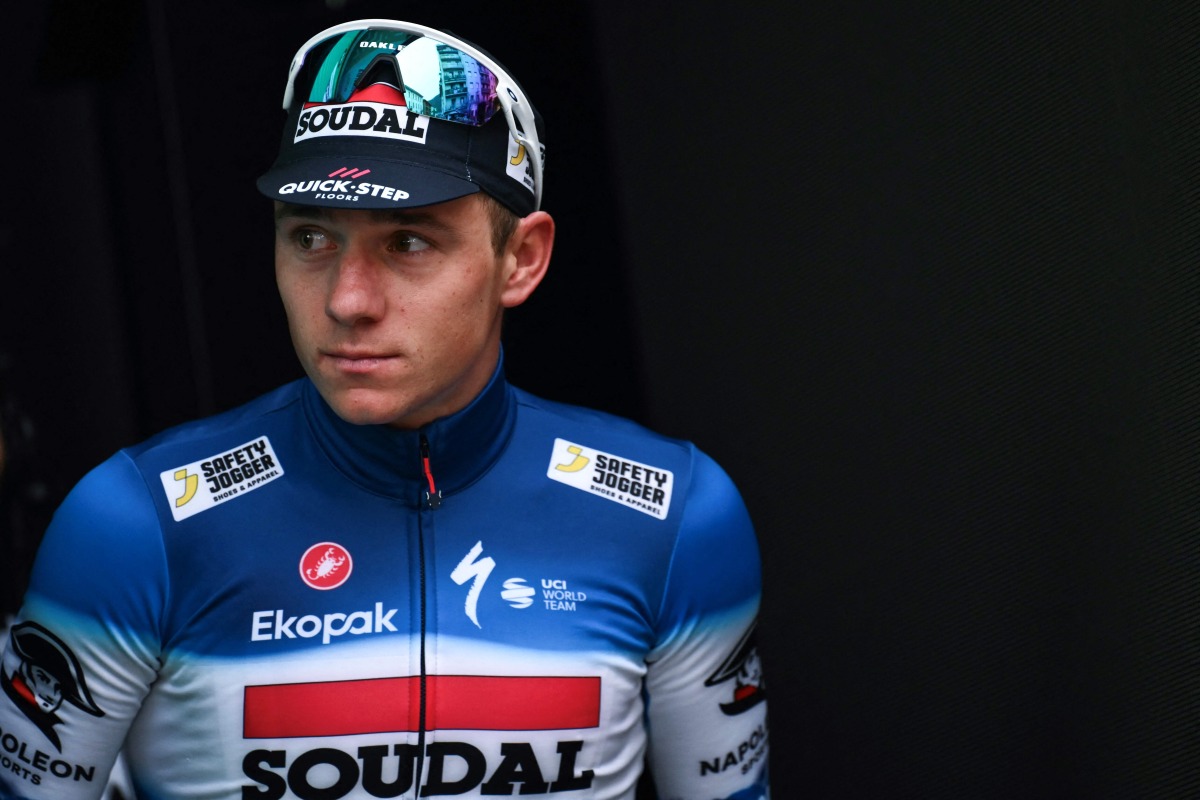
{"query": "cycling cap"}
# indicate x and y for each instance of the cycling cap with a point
(385, 114)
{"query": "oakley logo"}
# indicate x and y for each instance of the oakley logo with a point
(381, 45)
(361, 119)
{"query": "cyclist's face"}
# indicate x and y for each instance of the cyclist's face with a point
(396, 315)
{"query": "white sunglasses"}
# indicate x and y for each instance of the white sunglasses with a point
(432, 68)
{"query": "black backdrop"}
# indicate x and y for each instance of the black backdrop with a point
(921, 277)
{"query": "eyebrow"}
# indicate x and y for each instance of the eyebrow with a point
(397, 216)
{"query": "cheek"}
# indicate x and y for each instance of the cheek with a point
(300, 300)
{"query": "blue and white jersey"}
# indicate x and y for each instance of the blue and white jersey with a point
(523, 598)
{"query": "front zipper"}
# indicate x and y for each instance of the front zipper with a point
(432, 501)
(433, 497)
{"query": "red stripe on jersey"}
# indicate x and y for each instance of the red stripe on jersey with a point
(392, 705)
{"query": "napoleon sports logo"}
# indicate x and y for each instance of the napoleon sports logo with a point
(742, 672)
(47, 675)
(45, 681)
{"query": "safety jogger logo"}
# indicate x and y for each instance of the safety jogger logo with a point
(211, 481)
(638, 486)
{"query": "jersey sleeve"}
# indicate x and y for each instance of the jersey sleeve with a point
(84, 649)
(706, 698)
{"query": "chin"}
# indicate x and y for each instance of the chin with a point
(372, 410)
(360, 405)
(357, 414)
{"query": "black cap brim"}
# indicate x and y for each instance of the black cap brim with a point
(366, 183)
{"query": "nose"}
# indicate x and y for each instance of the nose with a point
(356, 288)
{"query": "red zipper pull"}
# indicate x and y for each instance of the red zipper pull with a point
(433, 497)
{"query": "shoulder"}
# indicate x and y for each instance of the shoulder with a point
(656, 473)
(110, 490)
(133, 486)
(602, 429)
(256, 413)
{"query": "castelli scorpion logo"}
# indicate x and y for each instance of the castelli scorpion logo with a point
(326, 565)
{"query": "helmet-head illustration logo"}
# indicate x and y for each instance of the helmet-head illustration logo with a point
(48, 674)
(744, 668)
(326, 565)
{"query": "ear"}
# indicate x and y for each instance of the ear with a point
(527, 256)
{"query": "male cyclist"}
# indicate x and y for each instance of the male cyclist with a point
(400, 576)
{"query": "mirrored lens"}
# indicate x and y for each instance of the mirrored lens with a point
(437, 80)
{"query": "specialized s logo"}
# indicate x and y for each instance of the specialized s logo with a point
(475, 569)
(634, 485)
(48, 675)
(744, 668)
(225, 476)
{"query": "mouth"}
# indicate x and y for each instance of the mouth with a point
(355, 362)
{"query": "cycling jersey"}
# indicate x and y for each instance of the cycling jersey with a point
(522, 598)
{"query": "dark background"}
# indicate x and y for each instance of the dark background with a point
(920, 276)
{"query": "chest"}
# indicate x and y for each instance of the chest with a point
(315, 563)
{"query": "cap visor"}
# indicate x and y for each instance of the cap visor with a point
(361, 183)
